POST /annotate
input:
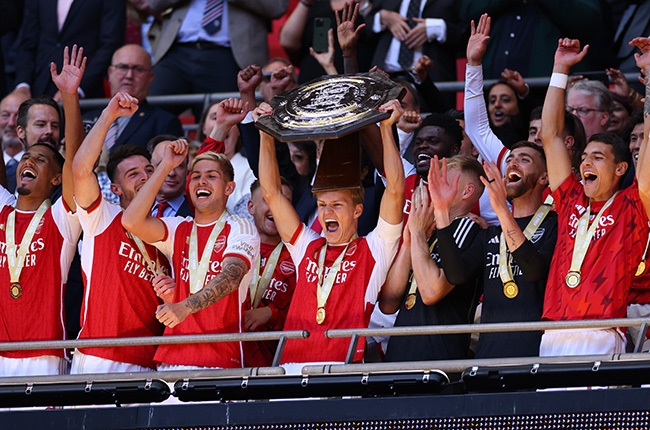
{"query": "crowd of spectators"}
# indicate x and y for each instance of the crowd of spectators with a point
(529, 204)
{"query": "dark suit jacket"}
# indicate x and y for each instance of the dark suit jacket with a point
(97, 25)
(147, 122)
(185, 209)
(443, 55)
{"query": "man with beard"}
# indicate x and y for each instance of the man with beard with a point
(37, 239)
(274, 280)
(514, 257)
(124, 278)
(416, 284)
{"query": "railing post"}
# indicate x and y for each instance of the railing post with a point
(279, 350)
(641, 337)
(352, 349)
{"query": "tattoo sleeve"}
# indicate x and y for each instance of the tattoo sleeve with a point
(220, 286)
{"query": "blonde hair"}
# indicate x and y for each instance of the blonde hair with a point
(356, 194)
(221, 159)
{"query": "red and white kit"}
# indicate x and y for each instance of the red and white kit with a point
(353, 295)
(37, 314)
(119, 300)
(237, 239)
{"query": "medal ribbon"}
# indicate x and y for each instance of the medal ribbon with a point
(325, 285)
(153, 266)
(505, 270)
(259, 283)
(641, 267)
(16, 259)
(584, 235)
(199, 269)
(414, 284)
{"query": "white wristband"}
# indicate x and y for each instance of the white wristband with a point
(559, 80)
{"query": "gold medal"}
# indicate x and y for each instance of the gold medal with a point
(410, 302)
(15, 290)
(510, 290)
(572, 279)
(640, 269)
(320, 315)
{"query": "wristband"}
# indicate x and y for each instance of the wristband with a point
(559, 80)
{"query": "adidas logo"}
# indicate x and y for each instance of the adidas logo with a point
(495, 239)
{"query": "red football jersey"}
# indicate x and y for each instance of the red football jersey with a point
(239, 239)
(611, 261)
(353, 295)
(119, 300)
(38, 313)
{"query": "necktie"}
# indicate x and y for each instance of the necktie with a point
(212, 16)
(161, 209)
(405, 58)
(111, 135)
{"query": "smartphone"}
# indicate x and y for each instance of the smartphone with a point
(321, 40)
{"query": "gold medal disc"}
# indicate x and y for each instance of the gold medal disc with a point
(15, 290)
(410, 302)
(640, 269)
(320, 315)
(572, 279)
(510, 290)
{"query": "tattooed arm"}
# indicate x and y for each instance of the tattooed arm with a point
(234, 269)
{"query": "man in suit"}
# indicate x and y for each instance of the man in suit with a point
(634, 23)
(49, 26)
(408, 29)
(12, 147)
(203, 44)
(130, 72)
(170, 200)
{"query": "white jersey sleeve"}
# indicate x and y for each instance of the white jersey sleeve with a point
(66, 221)
(383, 242)
(95, 219)
(6, 198)
(243, 240)
(166, 246)
(298, 248)
(477, 124)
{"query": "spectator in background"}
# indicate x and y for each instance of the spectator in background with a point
(203, 44)
(408, 29)
(48, 26)
(12, 147)
(620, 121)
(297, 37)
(171, 199)
(303, 156)
(524, 33)
(590, 101)
(11, 17)
(130, 72)
(139, 19)
(634, 22)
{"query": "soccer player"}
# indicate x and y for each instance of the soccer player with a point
(274, 280)
(602, 229)
(38, 240)
(512, 258)
(416, 284)
(340, 274)
(125, 279)
(211, 255)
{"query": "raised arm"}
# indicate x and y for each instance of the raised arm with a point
(432, 283)
(477, 124)
(137, 217)
(348, 36)
(392, 292)
(643, 173)
(294, 27)
(568, 53)
(85, 182)
(247, 81)
(74, 65)
(280, 206)
(392, 201)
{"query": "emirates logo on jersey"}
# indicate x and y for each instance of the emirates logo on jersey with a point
(220, 244)
(352, 248)
(287, 268)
